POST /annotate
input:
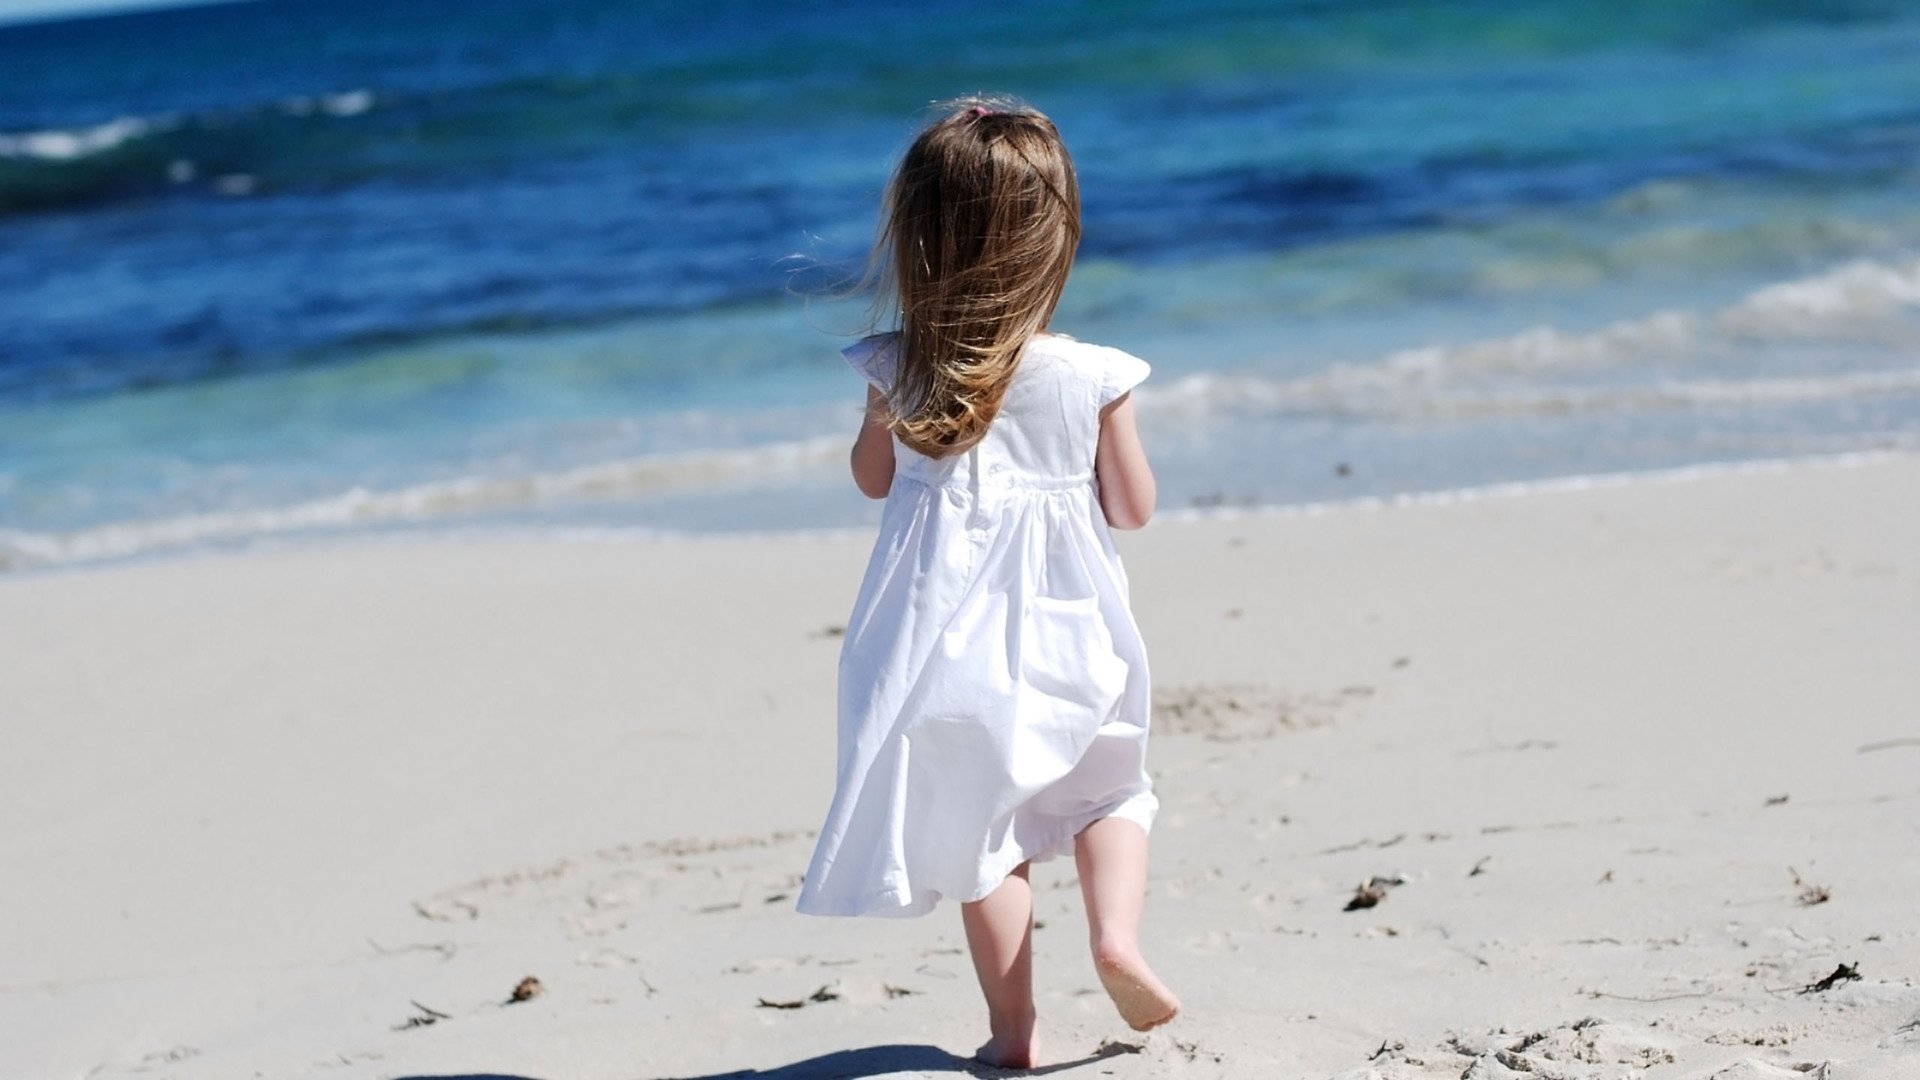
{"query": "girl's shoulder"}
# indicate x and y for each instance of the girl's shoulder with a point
(1112, 371)
(874, 357)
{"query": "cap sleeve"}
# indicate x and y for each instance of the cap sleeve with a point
(1119, 373)
(874, 357)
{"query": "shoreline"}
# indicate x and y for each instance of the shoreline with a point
(402, 531)
(1609, 745)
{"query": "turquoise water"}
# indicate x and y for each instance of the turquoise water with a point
(275, 269)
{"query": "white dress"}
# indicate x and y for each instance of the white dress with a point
(993, 685)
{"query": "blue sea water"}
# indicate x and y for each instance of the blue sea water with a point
(273, 268)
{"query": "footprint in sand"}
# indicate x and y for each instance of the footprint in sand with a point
(1213, 941)
(1585, 1049)
(596, 924)
(1233, 713)
(605, 958)
(1755, 1069)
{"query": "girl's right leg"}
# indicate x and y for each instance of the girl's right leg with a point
(1000, 937)
(1112, 856)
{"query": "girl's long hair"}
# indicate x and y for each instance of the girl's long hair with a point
(981, 223)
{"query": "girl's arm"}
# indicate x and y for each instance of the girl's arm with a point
(1127, 490)
(873, 449)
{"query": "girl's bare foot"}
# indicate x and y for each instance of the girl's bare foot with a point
(1010, 1052)
(1143, 1000)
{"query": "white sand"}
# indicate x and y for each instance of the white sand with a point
(253, 807)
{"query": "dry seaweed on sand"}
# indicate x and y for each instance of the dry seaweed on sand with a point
(824, 994)
(1371, 891)
(1843, 973)
(425, 1017)
(1810, 894)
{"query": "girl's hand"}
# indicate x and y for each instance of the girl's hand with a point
(873, 449)
(1127, 491)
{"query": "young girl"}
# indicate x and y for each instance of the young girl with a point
(993, 687)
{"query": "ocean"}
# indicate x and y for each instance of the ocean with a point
(272, 271)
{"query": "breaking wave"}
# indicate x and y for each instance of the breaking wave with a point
(1640, 365)
(72, 144)
(441, 500)
(1532, 372)
(143, 155)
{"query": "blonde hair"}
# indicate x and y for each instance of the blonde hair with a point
(981, 223)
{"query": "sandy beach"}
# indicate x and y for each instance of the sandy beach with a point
(1634, 768)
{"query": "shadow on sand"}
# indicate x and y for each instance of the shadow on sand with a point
(864, 1062)
(899, 1058)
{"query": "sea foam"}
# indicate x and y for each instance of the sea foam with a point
(1545, 370)
(68, 144)
(1540, 372)
(85, 141)
(440, 500)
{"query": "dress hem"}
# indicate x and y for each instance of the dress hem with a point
(1140, 808)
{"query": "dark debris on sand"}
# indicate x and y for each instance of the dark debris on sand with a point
(824, 994)
(423, 1018)
(1371, 891)
(1841, 974)
(1810, 894)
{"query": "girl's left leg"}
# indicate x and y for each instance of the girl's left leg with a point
(1000, 936)
(1112, 854)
